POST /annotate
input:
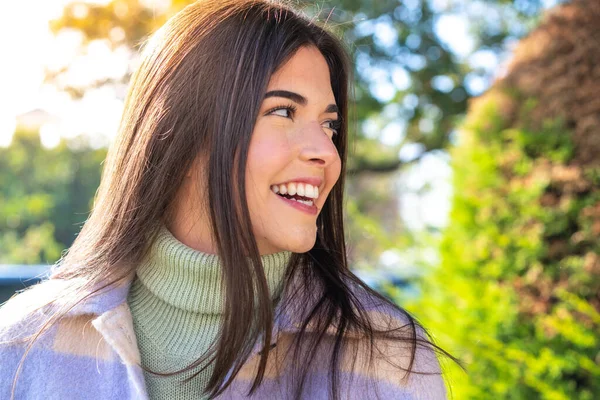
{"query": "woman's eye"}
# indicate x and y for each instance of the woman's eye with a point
(334, 125)
(283, 112)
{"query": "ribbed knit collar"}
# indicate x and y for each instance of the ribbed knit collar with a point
(190, 279)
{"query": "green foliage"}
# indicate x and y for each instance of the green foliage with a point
(515, 295)
(46, 194)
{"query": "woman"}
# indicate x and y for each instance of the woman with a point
(214, 263)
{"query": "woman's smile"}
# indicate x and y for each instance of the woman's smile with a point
(301, 193)
(305, 206)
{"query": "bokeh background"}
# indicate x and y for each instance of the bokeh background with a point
(473, 184)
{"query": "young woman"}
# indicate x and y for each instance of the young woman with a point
(213, 263)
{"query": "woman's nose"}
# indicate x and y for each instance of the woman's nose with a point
(317, 146)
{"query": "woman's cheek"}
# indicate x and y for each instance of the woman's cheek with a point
(334, 171)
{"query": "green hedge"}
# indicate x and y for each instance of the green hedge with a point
(516, 295)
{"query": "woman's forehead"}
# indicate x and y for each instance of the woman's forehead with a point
(305, 73)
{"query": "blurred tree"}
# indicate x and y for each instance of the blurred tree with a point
(517, 294)
(45, 194)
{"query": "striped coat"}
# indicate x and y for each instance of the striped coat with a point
(92, 353)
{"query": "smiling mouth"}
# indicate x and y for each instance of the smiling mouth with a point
(302, 193)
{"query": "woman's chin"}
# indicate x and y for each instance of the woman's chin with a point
(295, 244)
(302, 248)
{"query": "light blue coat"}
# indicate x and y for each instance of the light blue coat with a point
(92, 354)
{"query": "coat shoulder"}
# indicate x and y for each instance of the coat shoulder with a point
(24, 314)
(70, 347)
(26, 306)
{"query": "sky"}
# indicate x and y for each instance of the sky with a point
(25, 39)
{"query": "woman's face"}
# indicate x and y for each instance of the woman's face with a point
(288, 149)
(292, 149)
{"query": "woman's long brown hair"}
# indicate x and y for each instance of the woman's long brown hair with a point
(197, 91)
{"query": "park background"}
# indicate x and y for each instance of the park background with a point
(473, 183)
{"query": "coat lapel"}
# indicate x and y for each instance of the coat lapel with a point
(116, 326)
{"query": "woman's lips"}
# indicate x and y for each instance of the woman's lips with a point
(311, 210)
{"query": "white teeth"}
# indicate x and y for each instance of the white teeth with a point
(296, 188)
(308, 191)
(307, 202)
(291, 188)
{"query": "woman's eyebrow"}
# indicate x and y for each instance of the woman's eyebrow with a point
(298, 98)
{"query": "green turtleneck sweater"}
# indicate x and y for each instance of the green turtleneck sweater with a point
(177, 301)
